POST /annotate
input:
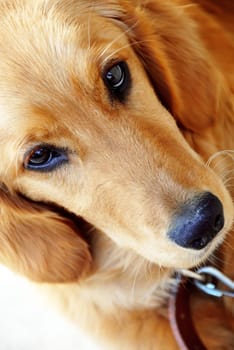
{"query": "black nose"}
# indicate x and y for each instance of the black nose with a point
(198, 222)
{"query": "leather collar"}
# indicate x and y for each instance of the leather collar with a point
(180, 317)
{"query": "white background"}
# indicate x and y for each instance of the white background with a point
(26, 322)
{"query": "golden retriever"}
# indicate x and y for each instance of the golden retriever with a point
(117, 135)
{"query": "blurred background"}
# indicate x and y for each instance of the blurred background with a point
(26, 322)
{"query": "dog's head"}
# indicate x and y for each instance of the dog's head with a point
(93, 97)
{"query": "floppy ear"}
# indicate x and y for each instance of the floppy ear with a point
(179, 67)
(39, 243)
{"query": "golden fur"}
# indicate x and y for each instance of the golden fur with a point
(131, 165)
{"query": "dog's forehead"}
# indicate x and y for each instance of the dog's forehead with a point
(44, 52)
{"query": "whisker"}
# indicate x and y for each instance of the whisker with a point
(134, 284)
(229, 153)
(118, 37)
(228, 245)
(187, 6)
(124, 47)
(228, 181)
(148, 268)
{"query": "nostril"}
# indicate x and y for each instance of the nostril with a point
(198, 222)
(219, 223)
(199, 243)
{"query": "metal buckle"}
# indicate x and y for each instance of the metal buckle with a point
(207, 279)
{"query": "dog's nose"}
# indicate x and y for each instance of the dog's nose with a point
(198, 222)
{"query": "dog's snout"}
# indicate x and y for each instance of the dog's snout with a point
(198, 222)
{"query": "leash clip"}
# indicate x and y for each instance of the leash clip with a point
(209, 282)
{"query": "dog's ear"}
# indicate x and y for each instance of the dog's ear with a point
(39, 243)
(178, 66)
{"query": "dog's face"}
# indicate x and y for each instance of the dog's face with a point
(88, 125)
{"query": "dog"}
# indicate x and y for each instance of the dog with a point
(116, 133)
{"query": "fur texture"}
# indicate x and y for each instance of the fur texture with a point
(94, 231)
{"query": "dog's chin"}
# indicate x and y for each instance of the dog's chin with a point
(177, 257)
(190, 259)
(209, 252)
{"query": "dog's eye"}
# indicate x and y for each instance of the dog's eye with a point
(45, 158)
(118, 81)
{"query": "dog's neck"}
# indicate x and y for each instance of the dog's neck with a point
(126, 279)
(123, 282)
